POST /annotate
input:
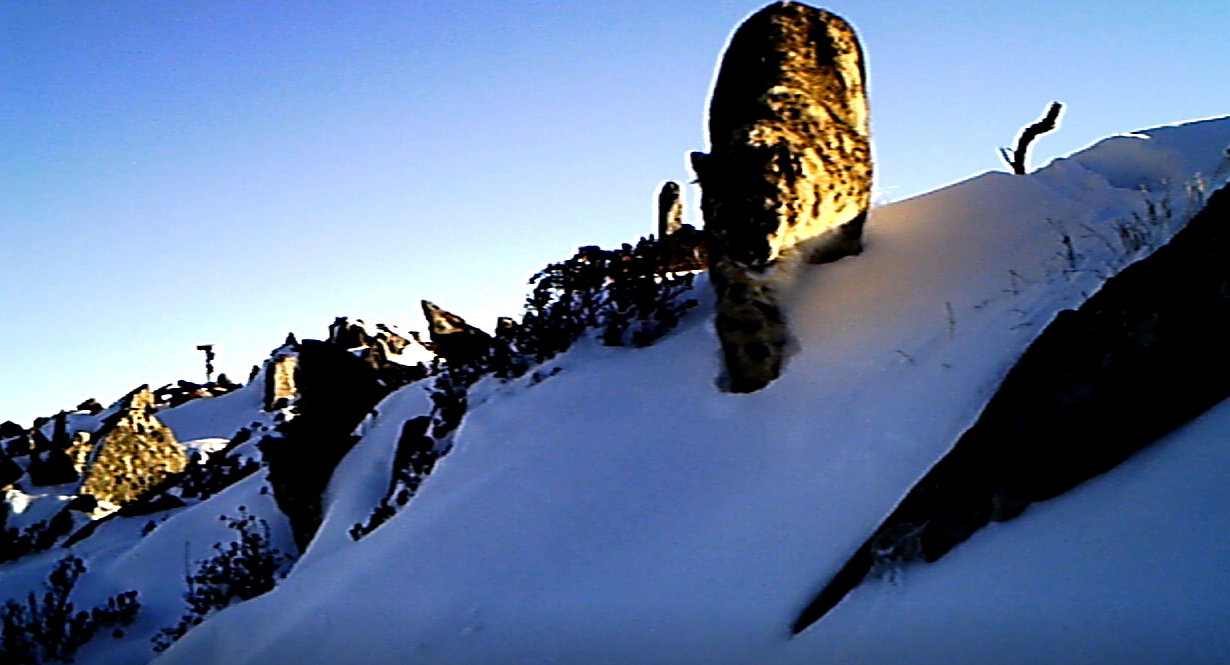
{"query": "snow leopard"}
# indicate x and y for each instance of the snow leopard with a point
(787, 179)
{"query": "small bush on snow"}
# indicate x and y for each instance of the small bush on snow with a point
(49, 628)
(240, 571)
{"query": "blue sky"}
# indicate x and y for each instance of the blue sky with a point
(173, 174)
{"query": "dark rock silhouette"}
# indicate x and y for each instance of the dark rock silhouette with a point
(1143, 356)
(335, 391)
(458, 342)
(10, 429)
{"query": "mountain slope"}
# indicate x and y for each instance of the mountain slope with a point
(624, 510)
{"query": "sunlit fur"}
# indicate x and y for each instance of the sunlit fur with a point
(788, 176)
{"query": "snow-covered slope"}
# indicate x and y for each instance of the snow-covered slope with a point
(626, 511)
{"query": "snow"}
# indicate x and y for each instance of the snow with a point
(624, 510)
(218, 417)
(1127, 568)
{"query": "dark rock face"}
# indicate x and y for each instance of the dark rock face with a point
(335, 391)
(376, 349)
(19, 445)
(181, 392)
(90, 406)
(53, 468)
(453, 339)
(9, 473)
(788, 175)
(1140, 358)
(10, 429)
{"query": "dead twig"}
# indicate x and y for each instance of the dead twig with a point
(1016, 158)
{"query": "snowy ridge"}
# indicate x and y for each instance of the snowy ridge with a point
(625, 511)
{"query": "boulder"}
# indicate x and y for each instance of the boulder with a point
(453, 339)
(131, 454)
(10, 429)
(670, 209)
(280, 374)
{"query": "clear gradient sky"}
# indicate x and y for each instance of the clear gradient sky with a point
(179, 173)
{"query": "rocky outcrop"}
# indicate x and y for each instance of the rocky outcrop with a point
(1143, 356)
(280, 371)
(670, 209)
(10, 429)
(788, 175)
(380, 349)
(131, 454)
(335, 390)
(181, 392)
(9, 473)
(458, 342)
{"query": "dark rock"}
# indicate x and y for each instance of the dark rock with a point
(152, 504)
(39, 443)
(83, 503)
(52, 468)
(684, 250)
(182, 392)
(335, 391)
(347, 335)
(10, 429)
(453, 339)
(19, 445)
(59, 435)
(1140, 358)
(376, 350)
(90, 406)
(10, 472)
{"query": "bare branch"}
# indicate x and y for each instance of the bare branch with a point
(1048, 122)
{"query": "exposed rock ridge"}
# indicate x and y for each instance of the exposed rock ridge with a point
(1140, 358)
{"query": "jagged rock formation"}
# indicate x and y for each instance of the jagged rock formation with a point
(10, 429)
(334, 390)
(130, 455)
(788, 175)
(680, 246)
(10, 472)
(377, 350)
(670, 209)
(280, 370)
(180, 392)
(1143, 356)
(453, 339)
